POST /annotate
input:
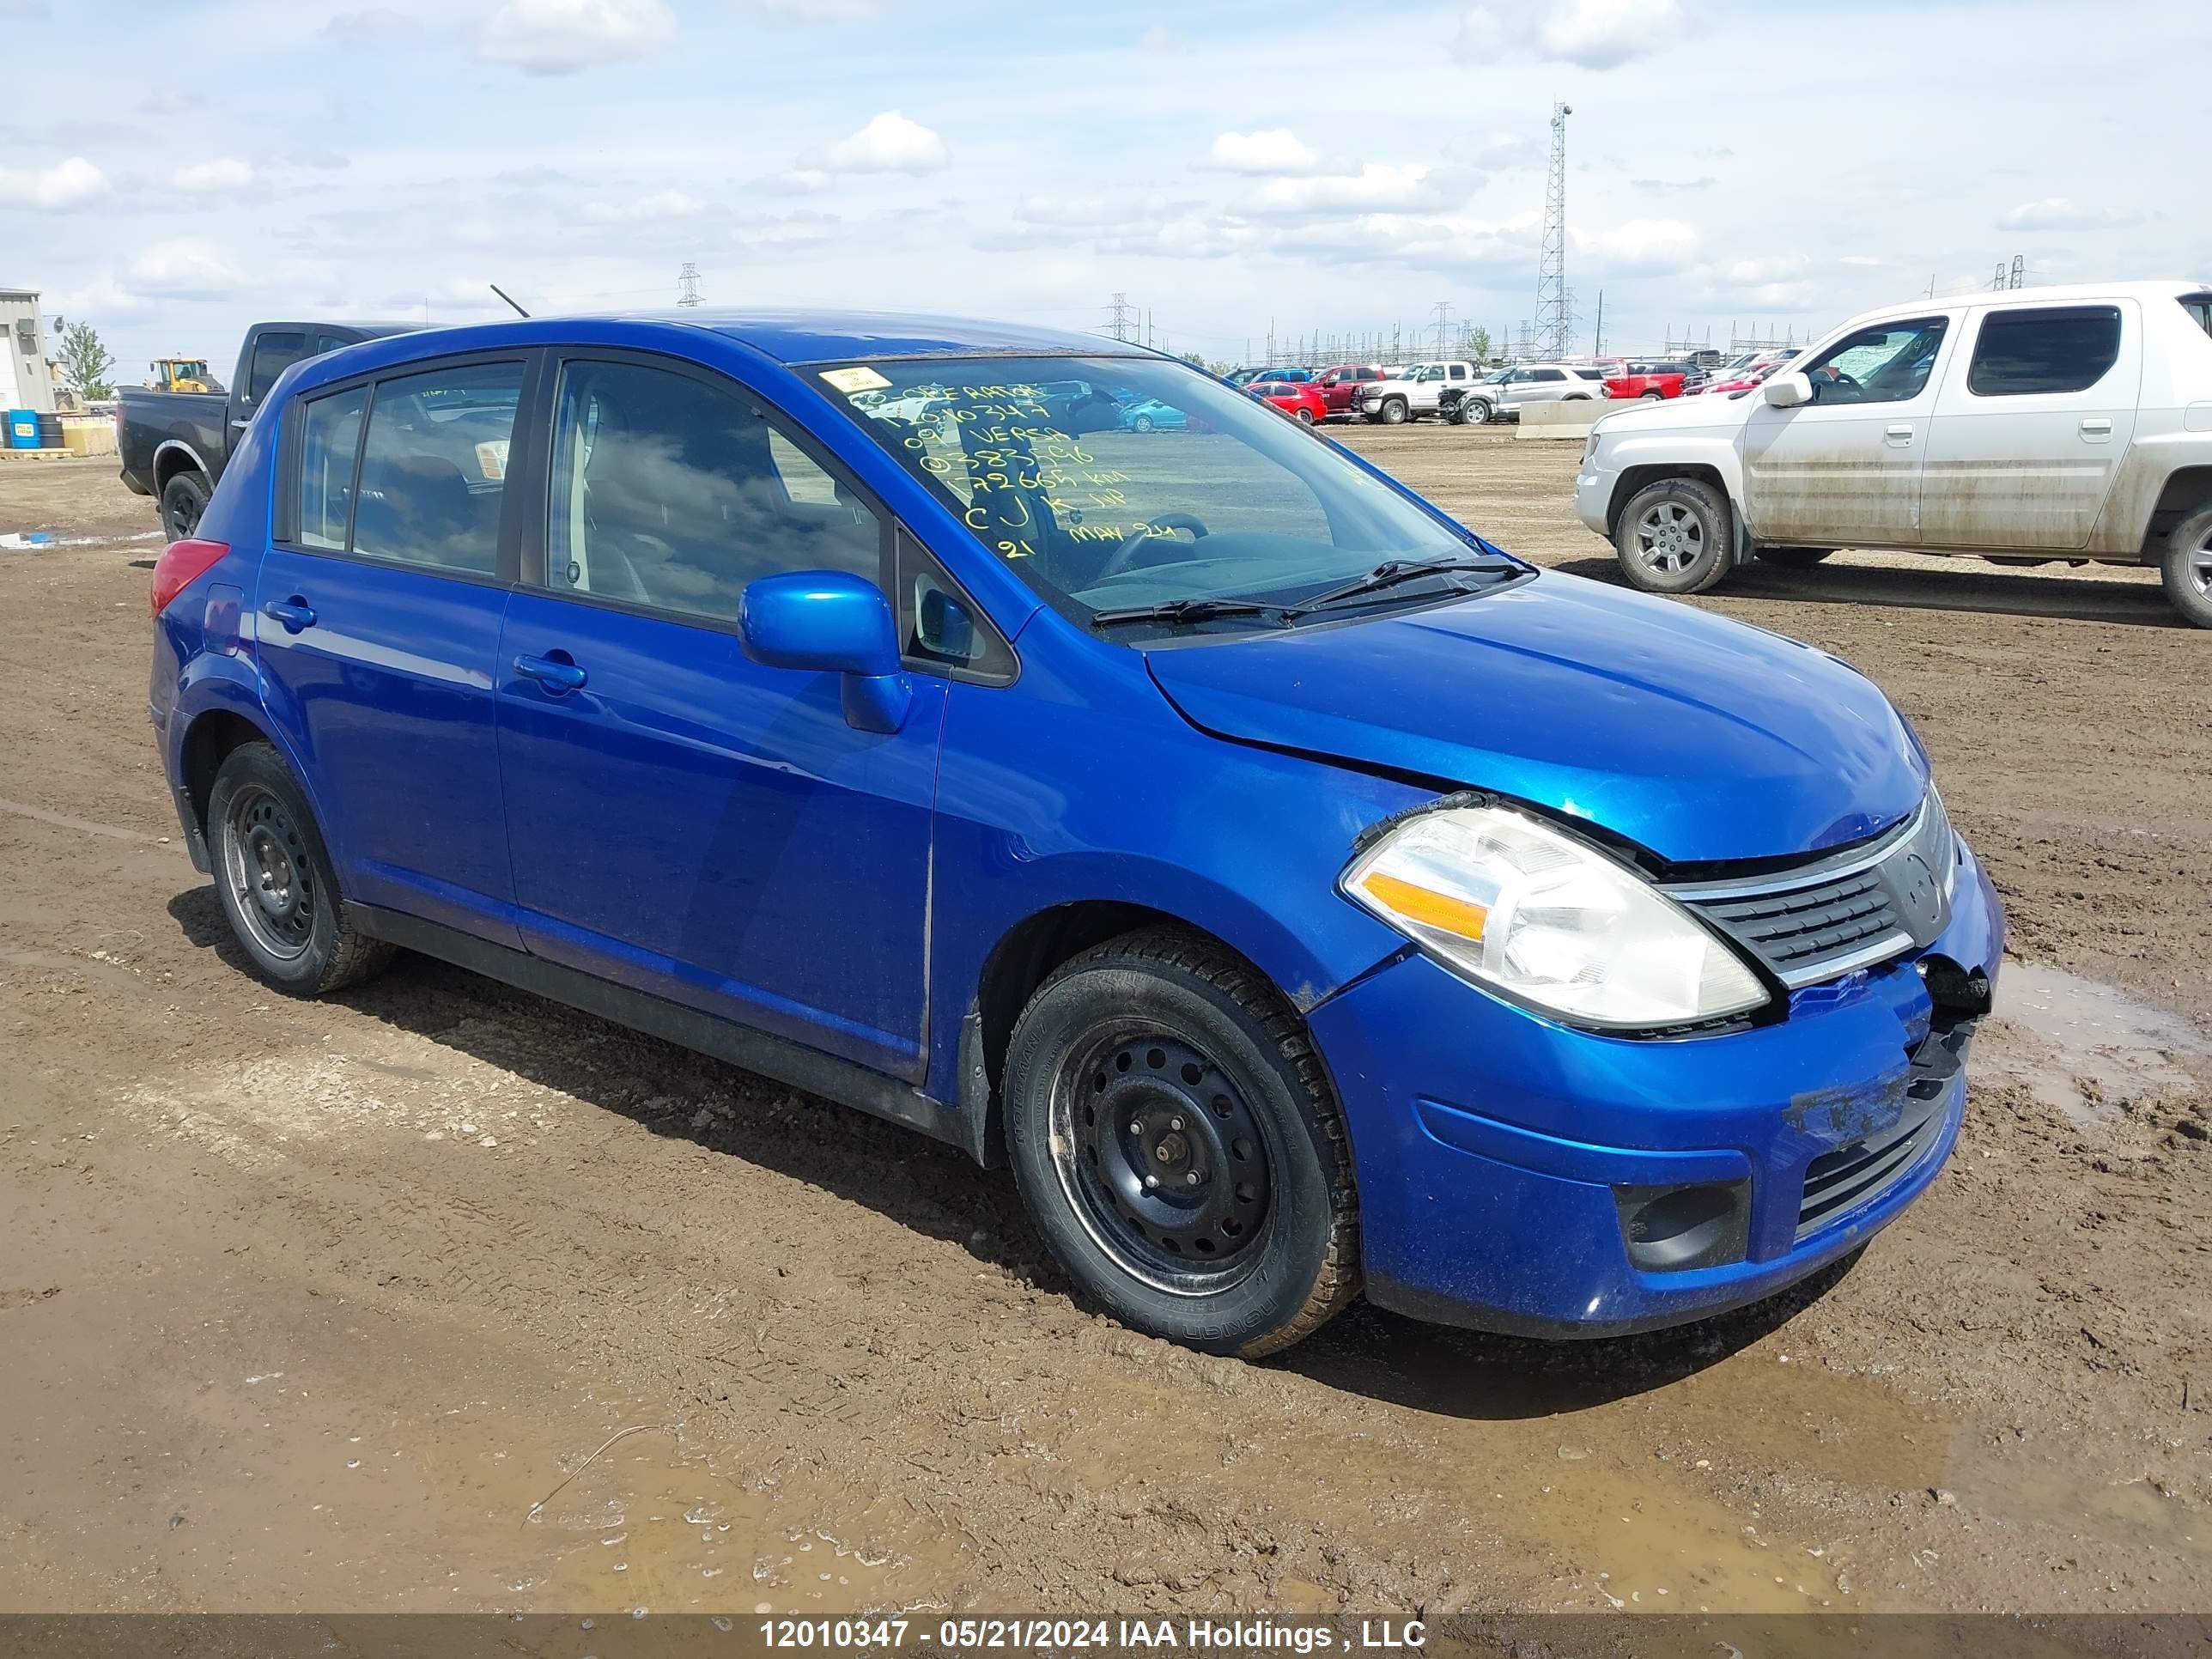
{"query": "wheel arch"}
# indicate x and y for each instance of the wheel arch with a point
(1642, 476)
(172, 456)
(2186, 489)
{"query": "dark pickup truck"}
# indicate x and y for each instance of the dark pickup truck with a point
(174, 444)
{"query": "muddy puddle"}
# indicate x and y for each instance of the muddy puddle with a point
(2091, 1044)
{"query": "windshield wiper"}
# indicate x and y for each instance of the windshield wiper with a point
(1391, 572)
(1185, 610)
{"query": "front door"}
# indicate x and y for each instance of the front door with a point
(2032, 426)
(376, 623)
(685, 820)
(1843, 471)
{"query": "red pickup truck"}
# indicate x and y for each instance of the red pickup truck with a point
(1340, 385)
(1648, 380)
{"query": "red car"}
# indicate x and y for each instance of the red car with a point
(1648, 380)
(1300, 398)
(1340, 387)
(1749, 375)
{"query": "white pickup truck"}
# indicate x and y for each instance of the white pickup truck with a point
(2024, 427)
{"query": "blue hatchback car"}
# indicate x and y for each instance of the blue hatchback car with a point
(1302, 894)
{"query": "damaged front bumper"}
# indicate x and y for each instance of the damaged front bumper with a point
(1517, 1175)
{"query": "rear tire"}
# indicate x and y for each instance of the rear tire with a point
(1650, 397)
(273, 876)
(1675, 536)
(1794, 558)
(1179, 1147)
(184, 503)
(2187, 568)
(1305, 418)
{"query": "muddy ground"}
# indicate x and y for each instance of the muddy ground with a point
(326, 1306)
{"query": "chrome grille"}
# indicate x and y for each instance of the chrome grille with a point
(1848, 910)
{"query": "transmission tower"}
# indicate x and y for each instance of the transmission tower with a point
(1442, 313)
(1122, 318)
(2019, 271)
(1554, 306)
(687, 284)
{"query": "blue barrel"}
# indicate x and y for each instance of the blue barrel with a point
(22, 428)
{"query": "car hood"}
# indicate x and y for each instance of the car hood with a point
(1702, 409)
(1696, 737)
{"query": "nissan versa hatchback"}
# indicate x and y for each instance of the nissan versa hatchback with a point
(1299, 893)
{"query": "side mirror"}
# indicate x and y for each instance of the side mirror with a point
(1788, 391)
(831, 622)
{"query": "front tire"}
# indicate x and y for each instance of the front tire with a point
(1674, 537)
(1142, 423)
(2187, 568)
(1179, 1147)
(1394, 412)
(1475, 411)
(184, 503)
(274, 879)
(1305, 418)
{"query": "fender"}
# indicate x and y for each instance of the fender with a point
(1675, 450)
(177, 446)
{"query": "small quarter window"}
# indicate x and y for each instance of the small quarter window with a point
(329, 433)
(2063, 348)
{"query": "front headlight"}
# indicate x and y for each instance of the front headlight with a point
(1513, 904)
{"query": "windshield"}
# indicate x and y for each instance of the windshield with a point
(1230, 501)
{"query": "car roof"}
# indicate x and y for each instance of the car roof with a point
(2057, 293)
(805, 336)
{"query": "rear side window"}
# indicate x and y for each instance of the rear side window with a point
(330, 435)
(2199, 306)
(2064, 349)
(273, 352)
(671, 491)
(433, 464)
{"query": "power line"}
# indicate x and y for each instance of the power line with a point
(687, 284)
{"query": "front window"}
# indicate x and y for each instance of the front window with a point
(1226, 501)
(1889, 363)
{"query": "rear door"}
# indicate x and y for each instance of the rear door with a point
(1844, 469)
(376, 626)
(2033, 421)
(685, 820)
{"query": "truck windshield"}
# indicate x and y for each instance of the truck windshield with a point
(1065, 468)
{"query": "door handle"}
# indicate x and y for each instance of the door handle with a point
(2097, 424)
(295, 613)
(557, 677)
(1901, 429)
(240, 426)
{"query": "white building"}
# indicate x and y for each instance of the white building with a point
(26, 381)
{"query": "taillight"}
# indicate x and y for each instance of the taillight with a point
(181, 564)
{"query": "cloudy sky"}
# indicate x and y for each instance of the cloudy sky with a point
(169, 172)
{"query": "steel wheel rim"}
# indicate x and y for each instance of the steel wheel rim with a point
(265, 860)
(1670, 538)
(1133, 1101)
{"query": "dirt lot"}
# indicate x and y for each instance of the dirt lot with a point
(326, 1306)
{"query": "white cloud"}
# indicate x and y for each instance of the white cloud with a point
(64, 184)
(2059, 213)
(206, 178)
(815, 11)
(1269, 150)
(1594, 34)
(660, 205)
(890, 143)
(182, 270)
(1641, 245)
(1377, 185)
(558, 37)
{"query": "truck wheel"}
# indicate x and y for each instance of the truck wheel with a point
(1794, 558)
(184, 499)
(1674, 537)
(2188, 567)
(1394, 412)
(1179, 1147)
(274, 879)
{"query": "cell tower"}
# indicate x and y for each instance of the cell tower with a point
(1123, 318)
(687, 284)
(1554, 305)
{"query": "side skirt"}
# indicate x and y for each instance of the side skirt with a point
(788, 1062)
